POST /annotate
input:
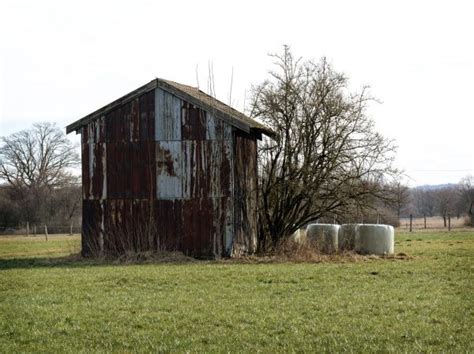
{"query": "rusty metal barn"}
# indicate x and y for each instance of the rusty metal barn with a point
(169, 167)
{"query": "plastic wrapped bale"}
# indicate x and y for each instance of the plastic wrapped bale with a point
(374, 239)
(346, 237)
(299, 236)
(323, 237)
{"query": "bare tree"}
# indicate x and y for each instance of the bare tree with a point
(325, 154)
(401, 196)
(34, 163)
(446, 202)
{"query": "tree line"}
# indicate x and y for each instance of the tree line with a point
(455, 200)
(39, 184)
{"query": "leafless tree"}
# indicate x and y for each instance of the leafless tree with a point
(446, 202)
(325, 154)
(34, 163)
(401, 196)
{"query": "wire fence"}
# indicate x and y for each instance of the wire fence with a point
(417, 223)
(40, 229)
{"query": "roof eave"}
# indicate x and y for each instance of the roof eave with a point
(169, 88)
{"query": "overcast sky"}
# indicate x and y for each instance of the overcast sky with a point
(60, 60)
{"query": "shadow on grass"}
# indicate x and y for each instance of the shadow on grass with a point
(44, 262)
(175, 258)
(77, 261)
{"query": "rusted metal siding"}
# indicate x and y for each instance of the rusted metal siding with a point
(168, 113)
(118, 173)
(245, 193)
(159, 172)
(92, 226)
(193, 178)
(93, 150)
(169, 169)
(193, 122)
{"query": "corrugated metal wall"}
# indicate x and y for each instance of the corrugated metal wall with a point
(159, 172)
(245, 193)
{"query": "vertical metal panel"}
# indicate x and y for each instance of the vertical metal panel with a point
(168, 116)
(193, 122)
(84, 134)
(94, 131)
(94, 171)
(85, 166)
(196, 168)
(118, 124)
(134, 120)
(169, 224)
(92, 221)
(217, 129)
(213, 127)
(245, 193)
(142, 169)
(97, 172)
(169, 169)
(220, 168)
(119, 170)
(198, 227)
(147, 116)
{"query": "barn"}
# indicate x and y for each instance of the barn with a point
(168, 167)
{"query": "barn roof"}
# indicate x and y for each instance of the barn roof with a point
(190, 94)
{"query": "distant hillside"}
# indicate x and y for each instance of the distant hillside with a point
(433, 187)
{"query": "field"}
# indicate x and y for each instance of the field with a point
(52, 302)
(432, 223)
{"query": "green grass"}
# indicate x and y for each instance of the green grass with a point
(424, 303)
(36, 246)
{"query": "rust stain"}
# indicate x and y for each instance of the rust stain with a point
(193, 122)
(166, 162)
(196, 194)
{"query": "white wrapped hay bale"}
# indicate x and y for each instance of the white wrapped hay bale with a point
(323, 236)
(346, 237)
(374, 239)
(299, 236)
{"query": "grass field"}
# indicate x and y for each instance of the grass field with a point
(51, 303)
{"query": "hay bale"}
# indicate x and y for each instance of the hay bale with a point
(346, 237)
(324, 237)
(374, 239)
(299, 236)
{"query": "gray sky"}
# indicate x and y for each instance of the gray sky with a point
(60, 60)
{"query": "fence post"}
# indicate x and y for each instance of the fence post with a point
(70, 230)
(449, 222)
(378, 218)
(27, 228)
(34, 229)
(411, 222)
(424, 217)
(46, 231)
